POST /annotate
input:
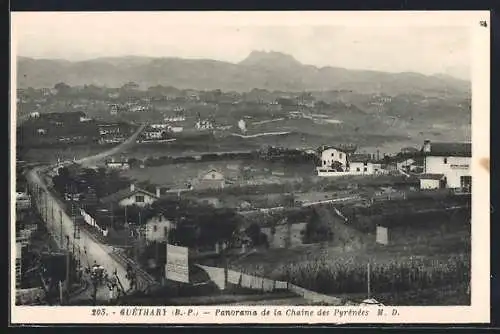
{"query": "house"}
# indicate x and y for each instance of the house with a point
(121, 164)
(361, 164)
(113, 110)
(157, 228)
(204, 125)
(41, 131)
(334, 156)
(34, 114)
(19, 256)
(154, 134)
(23, 201)
(175, 129)
(452, 160)
(432, 181)
(132, 196)
(212, 180)
(109, 129)
(161, 126)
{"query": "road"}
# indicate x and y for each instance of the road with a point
(87, 247)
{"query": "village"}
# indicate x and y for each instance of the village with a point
(256, 191)
(224, 213)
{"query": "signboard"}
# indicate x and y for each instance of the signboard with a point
(382, 235)
(460, 166)
(177, 267)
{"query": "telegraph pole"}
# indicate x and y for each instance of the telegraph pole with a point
(368, 274)
(74, 222)
(61, 227)
(68, 283)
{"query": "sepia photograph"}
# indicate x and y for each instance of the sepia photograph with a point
(321, 165)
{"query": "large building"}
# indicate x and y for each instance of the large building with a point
(449, 162)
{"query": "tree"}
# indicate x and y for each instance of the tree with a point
(62, 88)
(317, 230)
(337, 166)
(255, 234)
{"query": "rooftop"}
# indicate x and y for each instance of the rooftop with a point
(360, 158)
(119, 195)
(431, 176)
(450, 149)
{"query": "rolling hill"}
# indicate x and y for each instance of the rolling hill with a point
(265, 70)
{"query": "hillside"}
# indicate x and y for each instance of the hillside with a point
(265, 70)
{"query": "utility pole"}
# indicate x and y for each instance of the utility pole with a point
(74, 223)
(68, 283)
(368, 280)
(61, 227)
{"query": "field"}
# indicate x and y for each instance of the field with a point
(237, 172)
(419, 260)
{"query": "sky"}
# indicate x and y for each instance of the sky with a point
(370, 44)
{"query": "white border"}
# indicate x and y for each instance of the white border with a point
(478, 312)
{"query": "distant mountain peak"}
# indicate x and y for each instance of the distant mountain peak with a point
(273, 58)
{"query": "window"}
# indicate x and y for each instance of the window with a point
(213, 176)
(445, 161)
(365, 169)
(139, 199)
(340, 155)
(333, 155)
(358, 169)
(365, 163)
(165, 231)
(324, 162)
(155, 228)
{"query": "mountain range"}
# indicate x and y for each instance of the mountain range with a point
(264, 70)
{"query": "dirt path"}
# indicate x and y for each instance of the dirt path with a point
(130, 141)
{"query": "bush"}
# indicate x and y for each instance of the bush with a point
(317, 230)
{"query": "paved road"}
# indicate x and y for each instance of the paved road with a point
(87, 247)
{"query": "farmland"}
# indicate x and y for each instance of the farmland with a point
(426, 252)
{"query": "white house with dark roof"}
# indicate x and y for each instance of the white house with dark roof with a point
(132, 196)
(449, 160)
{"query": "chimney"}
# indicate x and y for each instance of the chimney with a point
(427, 146)
(132, 187)
(158, 191)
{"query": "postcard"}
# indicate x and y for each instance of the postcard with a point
(250, 167)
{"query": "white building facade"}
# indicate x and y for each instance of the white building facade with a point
(450, 159)
(329, 156)
(335, 162)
